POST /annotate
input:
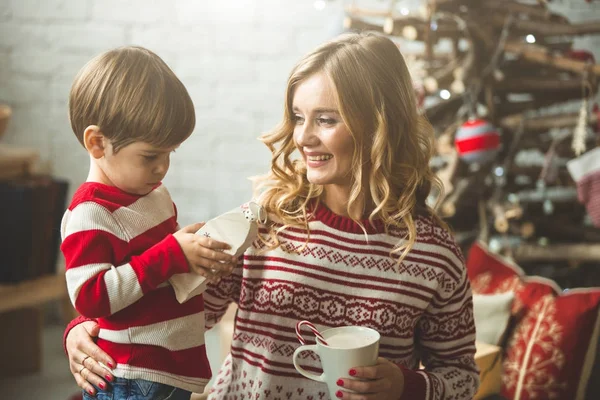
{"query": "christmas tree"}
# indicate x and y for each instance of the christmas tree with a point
(512, 102)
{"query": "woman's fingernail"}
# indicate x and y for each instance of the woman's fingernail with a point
(339, 394)
(111, 365)
(91, 392)
(352, 372)
(108, 378)
(340, 382)
(102, 385)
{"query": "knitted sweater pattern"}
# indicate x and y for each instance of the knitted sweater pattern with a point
(120, 253)
(422, 308)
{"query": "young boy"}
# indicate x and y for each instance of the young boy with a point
(120, 235)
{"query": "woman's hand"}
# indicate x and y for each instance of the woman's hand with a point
(84, 356)
(384, 381)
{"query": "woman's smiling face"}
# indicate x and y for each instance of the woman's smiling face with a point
(320, 134)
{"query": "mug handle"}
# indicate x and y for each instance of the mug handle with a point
(314, 377)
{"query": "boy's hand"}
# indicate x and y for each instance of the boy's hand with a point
(205, 255)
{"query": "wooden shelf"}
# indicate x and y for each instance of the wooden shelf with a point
(33, 293)
(574, 251)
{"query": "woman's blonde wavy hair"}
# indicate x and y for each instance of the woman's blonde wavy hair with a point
(377, 102)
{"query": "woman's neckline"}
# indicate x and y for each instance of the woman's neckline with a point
(322, 213)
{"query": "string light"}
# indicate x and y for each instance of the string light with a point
(530, 38)
(444, 94)
(319, 4)
(410, 32)
(404, 11)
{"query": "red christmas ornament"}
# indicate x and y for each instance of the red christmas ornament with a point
(477, 141)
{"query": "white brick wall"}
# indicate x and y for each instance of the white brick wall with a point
(234, 57)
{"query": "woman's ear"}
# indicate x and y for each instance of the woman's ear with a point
(94, 141)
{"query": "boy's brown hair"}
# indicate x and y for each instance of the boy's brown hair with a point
(131, 95)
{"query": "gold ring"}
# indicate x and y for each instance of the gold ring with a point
(82, 368)
(83, 361)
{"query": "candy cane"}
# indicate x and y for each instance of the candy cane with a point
(312, 328)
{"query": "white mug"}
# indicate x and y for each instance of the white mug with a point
(347, 347)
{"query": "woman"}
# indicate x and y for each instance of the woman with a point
(353, 243)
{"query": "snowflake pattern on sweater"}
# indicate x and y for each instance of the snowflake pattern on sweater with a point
(422, 309)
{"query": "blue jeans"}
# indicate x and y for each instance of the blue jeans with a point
(138, 389)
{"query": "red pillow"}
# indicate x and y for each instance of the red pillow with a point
(552, 349)
(491, 273)
(488, 272)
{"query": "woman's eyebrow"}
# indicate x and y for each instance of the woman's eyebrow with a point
(319, 110)
(327, 110)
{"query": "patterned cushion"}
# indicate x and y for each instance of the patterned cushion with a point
(552, 349)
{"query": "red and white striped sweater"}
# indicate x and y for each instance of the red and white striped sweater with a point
(120, 252)
(422, 309)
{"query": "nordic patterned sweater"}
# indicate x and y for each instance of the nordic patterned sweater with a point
(120, 252)
(422, 309)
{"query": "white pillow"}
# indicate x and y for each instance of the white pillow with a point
(492, 313)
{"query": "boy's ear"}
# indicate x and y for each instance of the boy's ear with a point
(94, 141)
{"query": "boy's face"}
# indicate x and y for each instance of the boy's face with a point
(136, 168)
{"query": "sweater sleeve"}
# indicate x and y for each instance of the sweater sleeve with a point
(92, 241)
(219, 296)
(445, 339)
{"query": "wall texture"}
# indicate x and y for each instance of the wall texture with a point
(233, 56)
